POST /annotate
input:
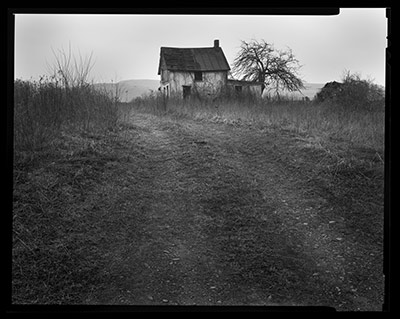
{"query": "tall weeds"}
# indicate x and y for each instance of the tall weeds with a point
(38, 114)
(64, 100)
(42, 109)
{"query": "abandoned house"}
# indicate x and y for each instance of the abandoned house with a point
(198, 71)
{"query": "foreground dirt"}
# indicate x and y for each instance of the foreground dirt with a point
(214, 214)
(200, 213)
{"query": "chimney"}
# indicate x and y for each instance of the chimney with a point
(216, 43)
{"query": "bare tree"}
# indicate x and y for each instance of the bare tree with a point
(260, 61)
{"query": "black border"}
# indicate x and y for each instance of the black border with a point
(387, 248)
(211, 10)
(272, 8)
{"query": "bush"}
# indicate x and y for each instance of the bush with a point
(353, 93)
(360, 94)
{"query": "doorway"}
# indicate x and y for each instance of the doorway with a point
(186, 89)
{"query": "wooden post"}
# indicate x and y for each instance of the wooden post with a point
(164, 99)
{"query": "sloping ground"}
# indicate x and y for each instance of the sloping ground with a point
(129, 89)
(198, 213)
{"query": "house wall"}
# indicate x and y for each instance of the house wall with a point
(177, 79)
(164, 76)
(255, 89)
(211, 84)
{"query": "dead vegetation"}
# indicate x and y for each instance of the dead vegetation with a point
(220, 204)
(323, 121)
(55, 236)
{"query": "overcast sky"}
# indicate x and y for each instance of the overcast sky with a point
(128, 46)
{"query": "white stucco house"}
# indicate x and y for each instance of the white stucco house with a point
(199, 71)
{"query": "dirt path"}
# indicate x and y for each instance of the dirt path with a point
(212, 214)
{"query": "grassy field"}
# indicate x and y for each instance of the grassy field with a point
(324, 121)
(56, 130)
(142, 203)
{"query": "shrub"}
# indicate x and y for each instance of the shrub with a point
(353, 93)
(360, 94)
(64, 100)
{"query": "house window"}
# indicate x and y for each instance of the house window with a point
(238, 88)
(198, 76)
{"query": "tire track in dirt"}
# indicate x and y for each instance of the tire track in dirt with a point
(188, 272)
(224, 222)
(316, 242)
(249, 228)
(246, 243)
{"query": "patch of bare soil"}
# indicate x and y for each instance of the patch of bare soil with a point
(199, 213)
(235, 216)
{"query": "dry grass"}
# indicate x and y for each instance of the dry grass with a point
(55, 254)
(322, 120)
(43, 109)
(72, 184)
(63, 141)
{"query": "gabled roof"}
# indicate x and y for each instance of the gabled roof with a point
(193, 59)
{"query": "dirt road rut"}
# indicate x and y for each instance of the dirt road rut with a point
(213, 214)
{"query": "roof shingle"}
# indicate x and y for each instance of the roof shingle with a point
(193, 59)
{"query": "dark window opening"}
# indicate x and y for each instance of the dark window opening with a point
(238, 88)
(198, 76)
(186, 91)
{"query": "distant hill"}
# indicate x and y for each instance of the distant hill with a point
(130, 89)
(310, 91)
